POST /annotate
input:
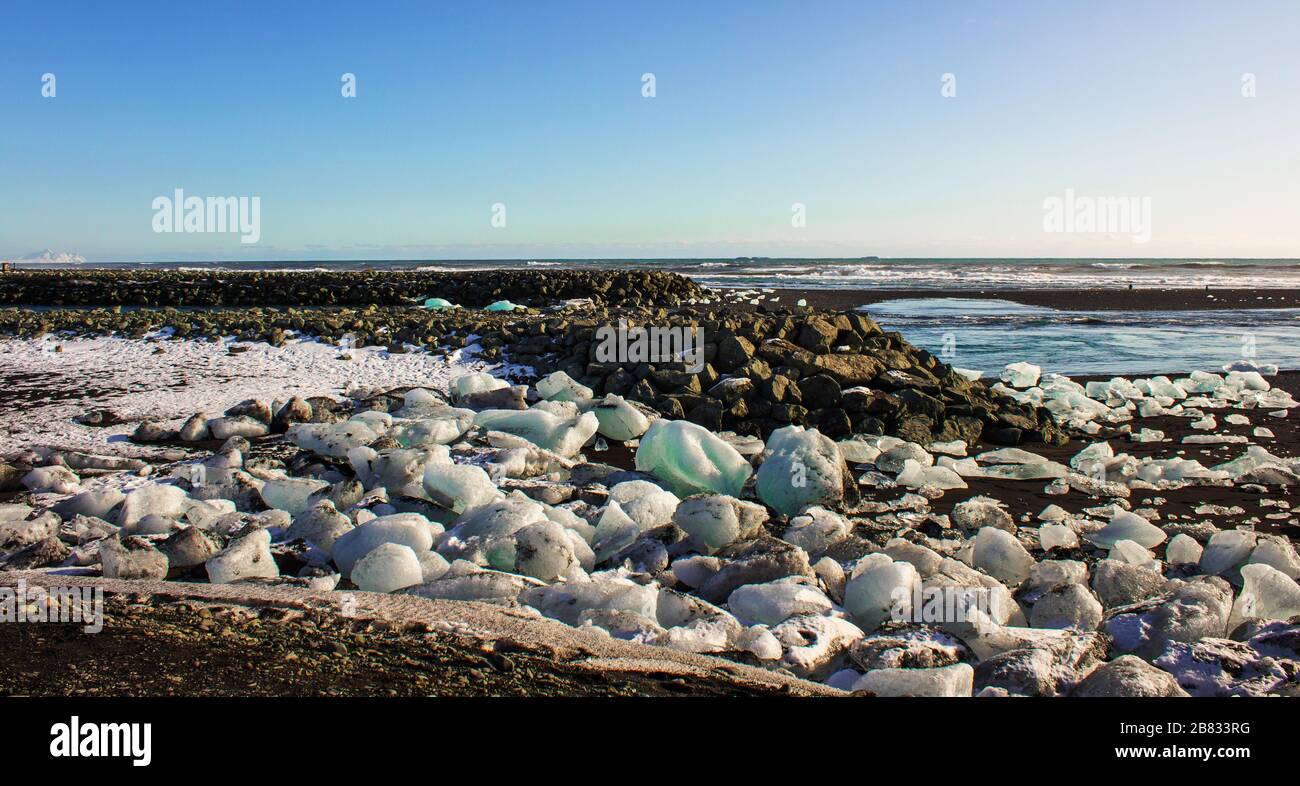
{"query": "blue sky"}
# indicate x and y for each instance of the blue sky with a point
(758, 106)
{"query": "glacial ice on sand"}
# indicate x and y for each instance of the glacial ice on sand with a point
(464, 486)
(407, 529)
(878, 589)
(714, 520)
(620, 420)
(245, 557)
(290, 494)
(800, 468)
(1021, 375)
(479, 382)
(1128, 526)
(386, 568)
(691, 459)
(154, 498)
(1267, 593)
(999, 554)
(559, 386)
(564, 436)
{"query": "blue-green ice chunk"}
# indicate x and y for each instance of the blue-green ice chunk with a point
(691, 459)
(803, 468)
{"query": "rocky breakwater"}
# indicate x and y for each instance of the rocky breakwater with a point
(757, 372)
(217, 288)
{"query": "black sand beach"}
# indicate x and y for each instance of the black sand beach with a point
(913, 395)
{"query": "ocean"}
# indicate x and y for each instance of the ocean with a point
(857, 273)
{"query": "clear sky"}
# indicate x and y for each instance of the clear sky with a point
(758, 106)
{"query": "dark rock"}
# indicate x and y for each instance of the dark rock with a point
(818, 335)
(849, 370)
(819, 391)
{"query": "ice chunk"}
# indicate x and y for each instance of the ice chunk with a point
(1183, 550)
(1128, 526)
(981, 511)
(1134, 554)
(696, 570)
(486, 534)
(801, 468)
(759, 641)
(246, 557)
(57, 479)
(1010, 456)
(559, 386)
(291, 494)
(944, 681)
(501, 305)
(615, 531)
(437, 303)
(155, 498)
(1146, 435)
(895, 457)
(774, 602)
(433, 566)
(691, 459)
(334, 439)
(463, 486)
(817, 529)
(608, 590)
(238, 426)
(1226, 550)
(1266, 593)
(469, 384)
(620, 420)
(386, 568)
(1052, 536)
(714, 520)
(399, 471)
(564, 436)
(544, 550)
(812, 645)
(1021, 375)
(646, 503)
(96, 502)
(1000, 555)
(438, 426)
(407, 529)
(915, 476)
(320, 525)
(880, 589)
(131, 558)
(1277, 551)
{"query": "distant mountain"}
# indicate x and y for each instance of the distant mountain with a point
(48, 257)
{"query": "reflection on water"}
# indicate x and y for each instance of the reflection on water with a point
(988, 334)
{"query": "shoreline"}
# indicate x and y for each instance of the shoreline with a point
(1063, 299)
